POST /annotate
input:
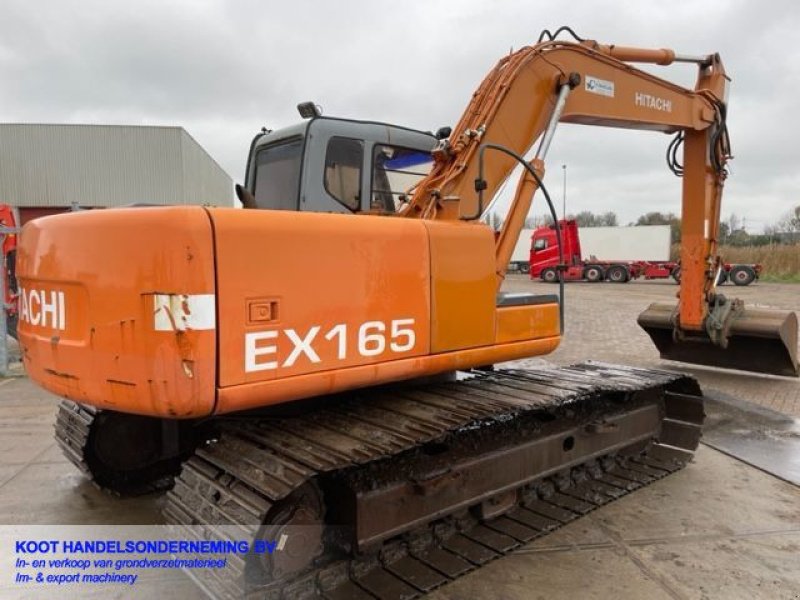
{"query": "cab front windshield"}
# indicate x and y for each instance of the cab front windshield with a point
(395, 172)
(277, 183)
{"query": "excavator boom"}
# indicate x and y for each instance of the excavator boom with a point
(522, 100)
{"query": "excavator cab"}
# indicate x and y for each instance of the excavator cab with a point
(350, 167)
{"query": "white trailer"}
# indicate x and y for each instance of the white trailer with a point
(520, 258)
(641, 242)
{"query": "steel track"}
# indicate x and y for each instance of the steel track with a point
(75, 426)
(73, 423)
(229, 487)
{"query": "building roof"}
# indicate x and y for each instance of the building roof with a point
(44, 165)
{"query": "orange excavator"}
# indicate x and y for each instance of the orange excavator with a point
(318, 367)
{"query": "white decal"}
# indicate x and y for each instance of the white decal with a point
(653, 102)
(399, 331)
(252, 351)
(601, 87)
(371, 344)
(182, 312)
(339, 331)
(371, 341)
(33, 309)
(302, 346)
(42, 307)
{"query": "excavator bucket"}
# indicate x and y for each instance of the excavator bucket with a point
(759, 340)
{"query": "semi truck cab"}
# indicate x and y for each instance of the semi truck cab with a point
(544, 252)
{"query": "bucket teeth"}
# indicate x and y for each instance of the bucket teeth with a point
(759, 340)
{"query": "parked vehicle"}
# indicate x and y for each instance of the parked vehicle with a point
(544, 262)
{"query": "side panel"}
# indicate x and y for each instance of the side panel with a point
(262, 393)
(647, 242)
(312, 304)
(116, 309)
(463, 286)
(521, 323)
(304, 293)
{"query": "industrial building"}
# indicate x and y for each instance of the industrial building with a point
(47, 169)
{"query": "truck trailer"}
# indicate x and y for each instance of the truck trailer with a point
(544, 262)
(520, 259)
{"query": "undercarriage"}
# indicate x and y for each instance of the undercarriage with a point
(392, 492)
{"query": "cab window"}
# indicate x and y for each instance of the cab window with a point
(395, 172)
(539, 244)
(277, 184)
(343, 160)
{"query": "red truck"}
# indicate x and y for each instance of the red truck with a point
(9, 250)
(544, 262)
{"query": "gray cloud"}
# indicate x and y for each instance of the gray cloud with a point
(224, 69)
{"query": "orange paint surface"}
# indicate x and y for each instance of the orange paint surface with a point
(317, 272)
(377, 299)
(108, 265)
(517, 323)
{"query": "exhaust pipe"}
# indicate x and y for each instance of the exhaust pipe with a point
(758, 340)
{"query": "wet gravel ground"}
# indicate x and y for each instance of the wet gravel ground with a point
(601, 325)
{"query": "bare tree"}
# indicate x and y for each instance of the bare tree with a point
(494, 221)
(587, 218)
(734, 223)
(791, 221)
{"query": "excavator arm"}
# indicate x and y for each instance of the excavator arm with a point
(523, 99)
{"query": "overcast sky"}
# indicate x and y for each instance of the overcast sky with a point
(222, 70)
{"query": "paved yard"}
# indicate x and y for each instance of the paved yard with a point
(601, 325)
(719, 529)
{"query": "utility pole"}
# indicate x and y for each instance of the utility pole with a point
(564, 200)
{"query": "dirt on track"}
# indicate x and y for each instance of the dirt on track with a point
(601, 325)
